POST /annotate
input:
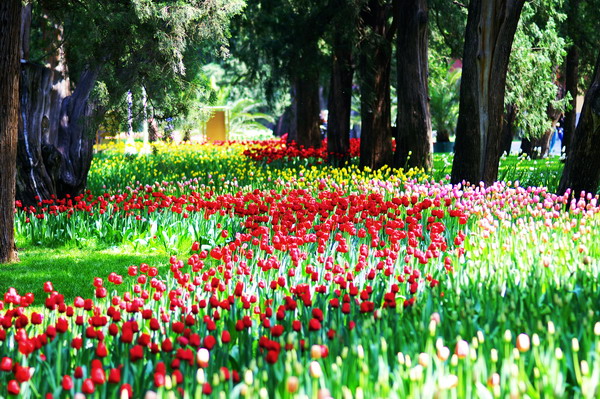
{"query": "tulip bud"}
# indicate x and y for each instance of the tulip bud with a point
(462, 349)
(202, 357)
(200, 377)
(360, 352)
(248, 377)
(575, 344)
(558, 353)
(585, 368)
(448, 382)
(494, 380)
(523, 342)
(551, 329)
(494, 355)
(315, 351)
(443, 353)
(292, 384)
(416, 373)
(315, 369)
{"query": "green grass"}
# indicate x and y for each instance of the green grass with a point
(71, 270)
(528, 172)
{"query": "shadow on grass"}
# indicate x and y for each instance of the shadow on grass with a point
(71, 270)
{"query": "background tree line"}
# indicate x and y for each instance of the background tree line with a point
(79, 58)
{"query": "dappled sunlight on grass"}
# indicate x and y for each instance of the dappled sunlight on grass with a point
(71, 270)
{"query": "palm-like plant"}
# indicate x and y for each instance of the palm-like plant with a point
(244, 117)
(444, 101)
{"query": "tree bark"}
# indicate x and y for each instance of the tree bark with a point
(56, 135)
(375, 68)
(340, 102)
(25, 30)
(490, 31)
(582, 168)
(571, 80)
(10, 26)
(307, 112)
(413, 144)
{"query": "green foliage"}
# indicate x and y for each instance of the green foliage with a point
(537, 53)
(158, 45)
(444, 89)
(243, 117)
(447, 22)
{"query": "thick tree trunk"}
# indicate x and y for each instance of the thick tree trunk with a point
(307, 112)
(413, 144)
(10, 26)
(508, 128)
(375, 68)
(490, 31)
(292, 133)
(582, 168)
(25, 30)
(571, 80)
(340, 102)
(34, 176)
(56, 135)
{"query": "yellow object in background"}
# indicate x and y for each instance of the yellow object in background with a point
(217, 127)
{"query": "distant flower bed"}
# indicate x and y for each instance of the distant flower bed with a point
(272, 150)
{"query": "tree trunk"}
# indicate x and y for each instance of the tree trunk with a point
(375, 68)
(292, 133)
(571, 80)
(582, 168)
(10, 26)
(25, 30)
(340, 101)
(508, 128)
(56, 135)
(413, 144)
(307, 112)
(490, 31)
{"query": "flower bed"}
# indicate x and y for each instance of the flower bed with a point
(322, 286)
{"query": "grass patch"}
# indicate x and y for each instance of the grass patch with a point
(71, 270)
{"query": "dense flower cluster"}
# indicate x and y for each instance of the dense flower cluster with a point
(307, 289)
(272, 150)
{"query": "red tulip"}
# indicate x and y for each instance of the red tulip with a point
(159, 379)
(114, 376)
(22, 374)
(88, 386)
(314, 325)
(136, 353)
(67, 383)
(6, 364)
(206, 388)
(98, 376)
(13, 387)
(225, 337)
